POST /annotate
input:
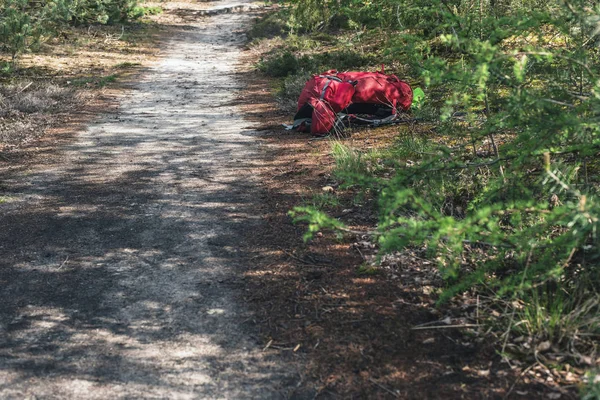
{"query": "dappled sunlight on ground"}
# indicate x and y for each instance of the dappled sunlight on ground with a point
(121, 265)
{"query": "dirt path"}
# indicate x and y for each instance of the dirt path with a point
(120, 275)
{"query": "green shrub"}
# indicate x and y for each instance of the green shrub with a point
(19, 28)
(282, 64)
(105, 11)
(348, 162)
(24, 23)
(311, 15)
(270, 25)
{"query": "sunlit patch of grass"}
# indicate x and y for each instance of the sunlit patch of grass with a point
(411, 146)
(347, 160)
(322, 201)
(380, 161)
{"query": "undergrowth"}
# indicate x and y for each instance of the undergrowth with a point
(26, 24)
(50, 67)
(498, 180)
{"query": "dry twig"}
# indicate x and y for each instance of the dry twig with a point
(380, 386)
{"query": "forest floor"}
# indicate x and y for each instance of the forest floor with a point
(148, 252)
(367, 332)
(369, 329)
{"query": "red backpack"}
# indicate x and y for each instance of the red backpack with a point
(364, 97)
(322, 98)
(379, 88)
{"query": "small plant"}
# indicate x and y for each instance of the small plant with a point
(142, 11)
(105, 11)
(271, 25)
(348, 162)
(546, 315)
(6, 68)
(290, 89)
(18, 27)
(285, 63)
(591, 389)
(317, 221)
(323, 201)
(280, 65)
(367, 270)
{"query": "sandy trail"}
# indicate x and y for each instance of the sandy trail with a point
(120, 270)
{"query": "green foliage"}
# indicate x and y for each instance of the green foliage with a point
(311, 15)
(270, 25)
(554, 316)
(317, 220)
(289, 90)
(282, 64)
(418, 98)
(323, 201)
(19, 26)
(591, 391)
(25, 23)
(142, 11)
(349, 162)
(105, 11)
(127, 65)
(503, 191)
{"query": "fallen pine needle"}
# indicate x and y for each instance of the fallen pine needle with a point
(380, 386)
(268, 344)
(64, 263)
